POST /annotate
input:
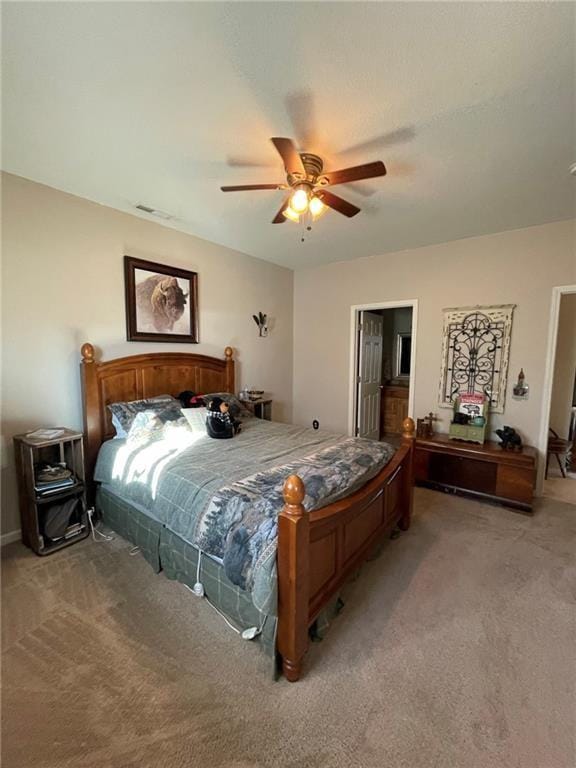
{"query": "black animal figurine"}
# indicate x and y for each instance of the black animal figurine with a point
(511, 440)
(219, 423)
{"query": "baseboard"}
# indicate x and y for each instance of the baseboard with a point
(8, 538)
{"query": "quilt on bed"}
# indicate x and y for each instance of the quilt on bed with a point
(224, 496)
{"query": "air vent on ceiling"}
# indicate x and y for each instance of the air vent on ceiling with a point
(154, 211)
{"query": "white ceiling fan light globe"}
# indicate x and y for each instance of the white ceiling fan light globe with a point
(291, 214)
(316, 207)
(299, 201)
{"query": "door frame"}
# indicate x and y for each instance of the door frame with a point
(557, 293)
(355, 310)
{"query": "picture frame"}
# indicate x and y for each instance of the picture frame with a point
(161, 302)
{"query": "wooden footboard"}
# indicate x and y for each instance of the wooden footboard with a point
(318, 551)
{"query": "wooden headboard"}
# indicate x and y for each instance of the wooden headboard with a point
(142, 376)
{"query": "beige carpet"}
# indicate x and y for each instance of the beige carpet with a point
(561, 488)
(455, 650)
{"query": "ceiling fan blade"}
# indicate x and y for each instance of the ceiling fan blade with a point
(248, 187)
(360, 188)
(241, 161)
(290, 156)
(301, 110)
(280, 218)
(368, 171)
(337, 203)
(399, 136)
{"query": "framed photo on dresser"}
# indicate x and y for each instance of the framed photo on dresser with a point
(161, 302)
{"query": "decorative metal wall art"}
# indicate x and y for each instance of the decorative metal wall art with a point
(475, 352)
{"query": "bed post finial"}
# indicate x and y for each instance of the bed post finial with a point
(294, 493)
(87, 352)
(408, 428)
(229, 370)
(293, 578)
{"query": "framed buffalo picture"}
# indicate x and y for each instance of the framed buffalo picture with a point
(161, 302)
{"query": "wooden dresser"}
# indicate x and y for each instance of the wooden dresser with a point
(393, 409)
(484, 471)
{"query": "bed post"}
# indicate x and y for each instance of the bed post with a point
(293, 578)
(229, 371)
(408, 435)
(92, 425)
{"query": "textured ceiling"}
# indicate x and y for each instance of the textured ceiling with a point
(470, 106)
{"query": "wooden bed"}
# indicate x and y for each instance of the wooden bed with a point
(317, 551)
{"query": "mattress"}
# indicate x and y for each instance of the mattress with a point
(224, 496)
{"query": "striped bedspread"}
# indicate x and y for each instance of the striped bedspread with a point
(224, 496)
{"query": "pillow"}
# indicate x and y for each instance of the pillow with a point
(196, 418)
(150, 425)
(235, 406)
(123, 414)
(117, 424)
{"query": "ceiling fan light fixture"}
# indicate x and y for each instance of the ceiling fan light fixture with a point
(291, 214)
(307, 185)
(299, 199)
(316, 207)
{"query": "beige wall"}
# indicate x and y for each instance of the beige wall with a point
(518, 267)
(564, 367)
(63, 284)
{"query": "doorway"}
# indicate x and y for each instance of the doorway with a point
(558, 426)
(382, 368)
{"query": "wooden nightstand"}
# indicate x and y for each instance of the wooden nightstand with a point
(262, 408)
(36, 499)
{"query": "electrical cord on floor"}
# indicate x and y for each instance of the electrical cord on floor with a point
(250, 633)
(198, 591)
(198, 586)
(95, 531)
(246, 634)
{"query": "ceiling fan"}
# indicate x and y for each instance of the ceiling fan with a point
(307, 182)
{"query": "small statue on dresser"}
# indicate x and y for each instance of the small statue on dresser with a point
(511, 440)
(431, 418)
(425, 426)
(422, 428)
